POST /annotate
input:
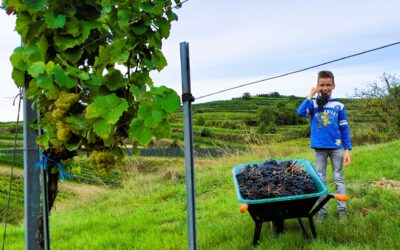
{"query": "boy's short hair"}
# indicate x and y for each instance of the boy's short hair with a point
(326, 74)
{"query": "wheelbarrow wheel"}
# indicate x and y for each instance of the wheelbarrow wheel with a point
(278, 226)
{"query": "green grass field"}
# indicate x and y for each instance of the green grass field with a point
(149, 212)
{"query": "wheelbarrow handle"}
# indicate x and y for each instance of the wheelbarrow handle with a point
(244, 208)
(340, 197)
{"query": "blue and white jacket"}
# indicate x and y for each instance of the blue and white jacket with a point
(329, 128)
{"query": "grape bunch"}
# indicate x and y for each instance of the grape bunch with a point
(273, 179)
(63, 104)
(63, 131)
(322, 99)
(102, 161)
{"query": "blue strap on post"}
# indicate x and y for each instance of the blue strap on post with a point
(61, 169)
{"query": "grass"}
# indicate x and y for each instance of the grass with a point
(149, 212)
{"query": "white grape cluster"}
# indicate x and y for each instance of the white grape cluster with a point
(63, 131)
(63, 104)
(102, 162)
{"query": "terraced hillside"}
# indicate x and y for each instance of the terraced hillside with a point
(234, 123)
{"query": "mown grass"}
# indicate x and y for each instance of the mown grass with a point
(149, 212)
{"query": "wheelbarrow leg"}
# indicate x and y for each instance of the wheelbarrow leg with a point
(278, 226)
(312, 226)
(303, 228)
(257, 232)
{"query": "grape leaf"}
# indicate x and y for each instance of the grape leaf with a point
(114, 80)
(102, 128)
(19, 77)
(152, 115)
(140, 132)
(169, 101)
(108, 107)
(164, 25)
(37, 5)
(22, 24)
(36, 68)
(62, 78)
(45, 82)
(53, 21)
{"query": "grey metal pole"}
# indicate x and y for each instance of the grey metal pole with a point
(31, 177)
(45, 209)
(187, 99)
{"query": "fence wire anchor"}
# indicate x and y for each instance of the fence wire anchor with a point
(187, 97)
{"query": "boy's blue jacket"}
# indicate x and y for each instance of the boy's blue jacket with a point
(329, 128)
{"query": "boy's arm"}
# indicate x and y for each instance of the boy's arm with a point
(345, 134)
(306, 106)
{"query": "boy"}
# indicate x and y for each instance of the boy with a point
(329, 135)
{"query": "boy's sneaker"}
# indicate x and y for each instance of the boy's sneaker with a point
(320, 218)
(342, 216)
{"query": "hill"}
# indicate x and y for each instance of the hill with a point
(236, 123)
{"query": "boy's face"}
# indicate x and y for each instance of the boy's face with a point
(325, 85)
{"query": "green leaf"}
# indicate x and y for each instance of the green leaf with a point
(73, 27)
(137, 92)
(171, 16)
(32, 53)
(106, 6)
(163, 130)
(103, 129)
(95, 81)
(169, 102)
(37, 5)
(139, 29)
(62, 79)
(78, 124)
(159, 60)
(108, 107)
(115, 80)
(36, 68)
(50, 67)
(73, 145)
(152, 115)
(164, 26)
(54, 22)
(19, 77)
(45, 82)
(123, 18)
(18, 59)
(140, 132)
(72, 55)
(43, 45)
(22, 24)
(156, 9)
(64, 42)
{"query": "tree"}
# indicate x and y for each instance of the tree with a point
(246, 96)
(86, 64)
(382, 99)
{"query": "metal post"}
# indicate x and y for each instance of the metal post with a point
(45, 210)
(31, 177)
(187, 98)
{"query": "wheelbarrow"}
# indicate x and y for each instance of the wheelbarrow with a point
(278, 209)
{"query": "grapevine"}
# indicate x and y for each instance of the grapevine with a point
(86, 65)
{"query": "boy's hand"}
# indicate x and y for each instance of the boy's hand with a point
(346, 158)
(313, 91)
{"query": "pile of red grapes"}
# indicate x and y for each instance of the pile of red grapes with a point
(274, 179)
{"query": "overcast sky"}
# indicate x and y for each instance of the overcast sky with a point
(235, 42)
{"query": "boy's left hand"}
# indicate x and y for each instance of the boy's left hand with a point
(346, 158)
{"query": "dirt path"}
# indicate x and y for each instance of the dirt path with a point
(16, 172)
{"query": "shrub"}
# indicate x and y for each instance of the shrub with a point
(200, 121)
(205, 132)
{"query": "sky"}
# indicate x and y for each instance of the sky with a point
(234, 42)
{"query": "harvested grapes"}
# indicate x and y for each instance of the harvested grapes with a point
(274, 179)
